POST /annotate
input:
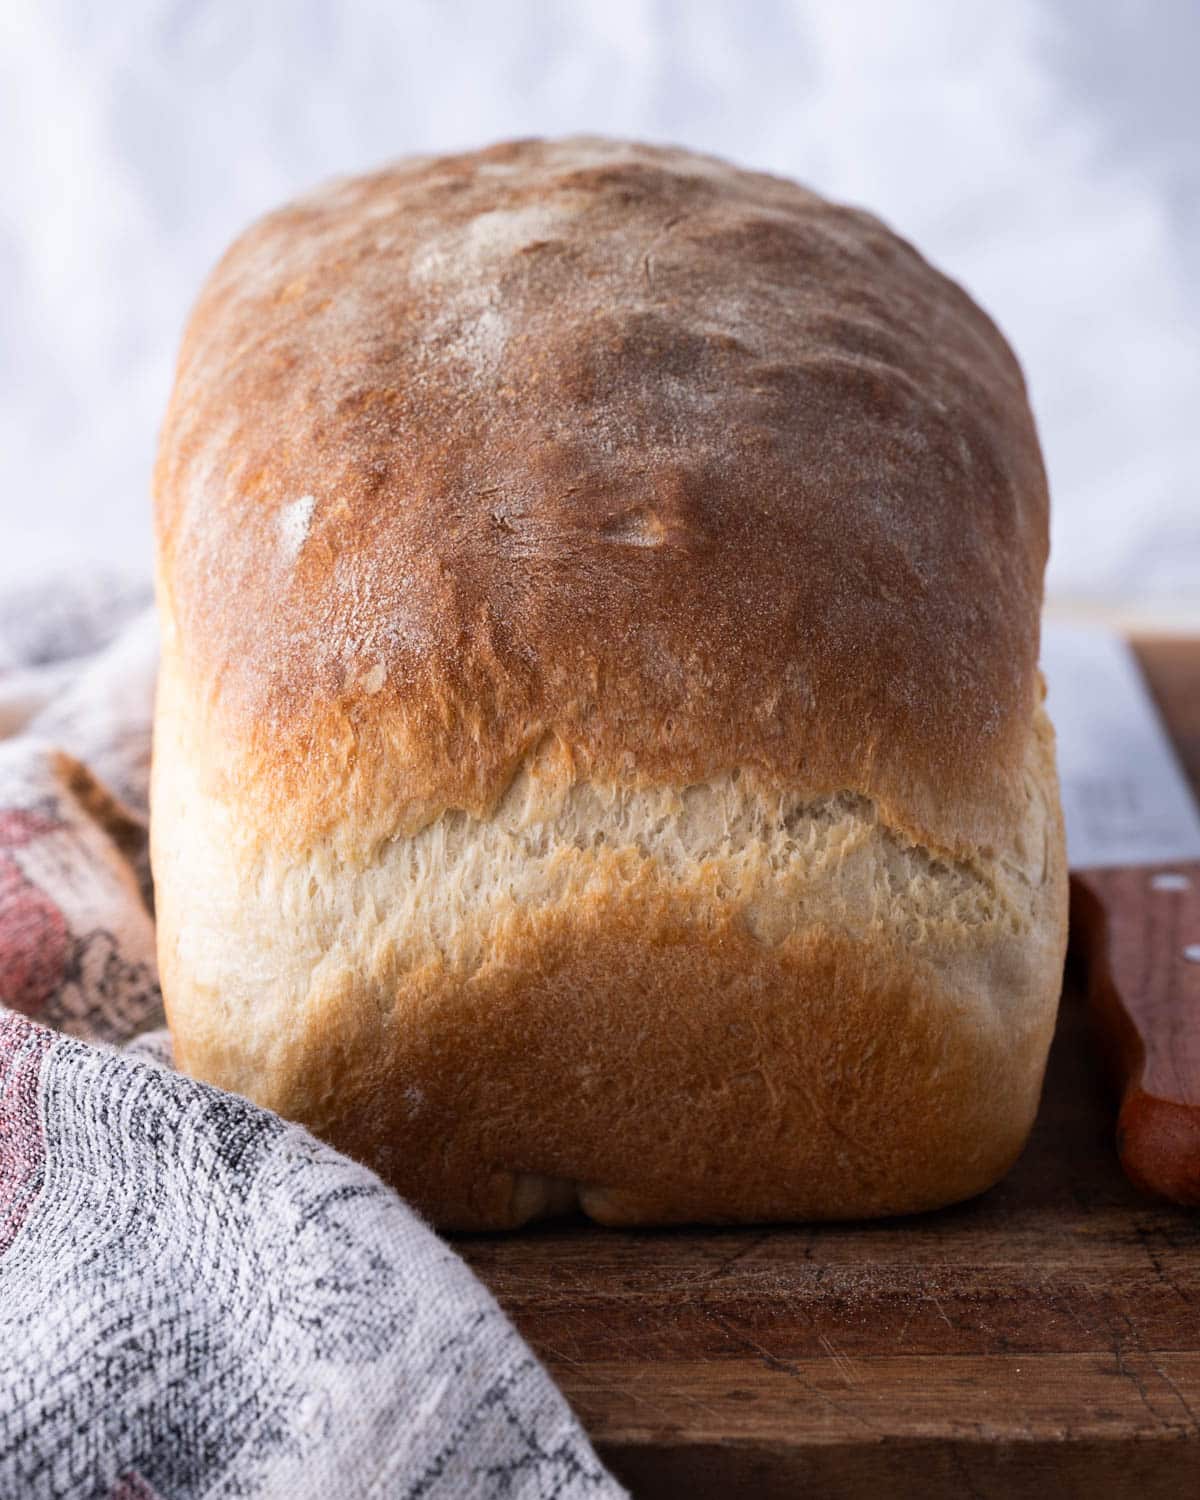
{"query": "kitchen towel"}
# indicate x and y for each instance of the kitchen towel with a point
(197, 1298)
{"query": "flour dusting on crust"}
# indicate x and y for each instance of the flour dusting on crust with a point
(294, 521)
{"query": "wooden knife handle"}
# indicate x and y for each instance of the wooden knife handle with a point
(1137, 931)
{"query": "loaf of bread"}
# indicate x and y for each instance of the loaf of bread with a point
(599, 755)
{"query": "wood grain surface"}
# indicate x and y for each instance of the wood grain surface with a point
(1043, 1340)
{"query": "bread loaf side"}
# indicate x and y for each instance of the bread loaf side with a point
(599, 755)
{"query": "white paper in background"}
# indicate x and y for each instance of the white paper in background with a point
(1125, 797)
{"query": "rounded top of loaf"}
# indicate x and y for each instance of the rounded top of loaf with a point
(610, 451)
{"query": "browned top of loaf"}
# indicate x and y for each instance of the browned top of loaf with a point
(677, 463)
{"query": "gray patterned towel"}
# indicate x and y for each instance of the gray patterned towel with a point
(196, 1297)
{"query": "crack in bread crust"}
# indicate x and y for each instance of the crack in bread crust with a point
(769, 950)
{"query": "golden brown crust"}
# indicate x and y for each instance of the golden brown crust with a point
(677, 463)
(599, 753)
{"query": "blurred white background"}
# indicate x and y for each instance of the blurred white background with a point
(1044, 152)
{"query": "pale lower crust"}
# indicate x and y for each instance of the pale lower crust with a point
(623, 1020)
(679, 1083)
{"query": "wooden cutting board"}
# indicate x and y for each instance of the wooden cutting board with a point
(1042, 1341)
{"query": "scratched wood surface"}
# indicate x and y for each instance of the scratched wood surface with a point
(1041, 1341)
